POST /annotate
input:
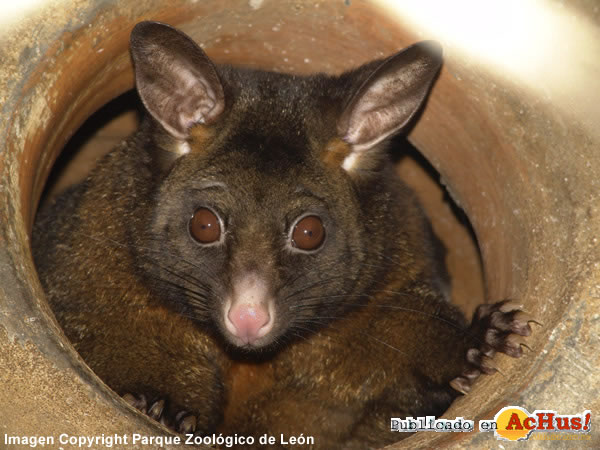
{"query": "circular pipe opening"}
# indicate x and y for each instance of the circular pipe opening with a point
(496, 145)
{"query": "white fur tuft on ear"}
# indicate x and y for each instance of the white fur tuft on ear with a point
(350, 161)
(183, 148)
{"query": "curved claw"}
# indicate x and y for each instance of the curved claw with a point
(139, 402)
(156, 410)
(185, 423)
(461, 385)
(509, 306)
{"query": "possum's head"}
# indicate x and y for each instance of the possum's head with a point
(276, 210)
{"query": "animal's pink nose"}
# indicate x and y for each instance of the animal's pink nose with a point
(250, 322)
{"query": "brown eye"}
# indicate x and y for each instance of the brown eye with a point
(205, 226)
(308, 233)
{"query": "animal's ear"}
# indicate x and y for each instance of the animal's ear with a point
(391, 95)
(176, 81)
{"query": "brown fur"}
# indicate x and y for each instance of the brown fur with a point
(335, 152)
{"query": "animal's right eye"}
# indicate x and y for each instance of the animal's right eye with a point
(308, 233)
(205, 226)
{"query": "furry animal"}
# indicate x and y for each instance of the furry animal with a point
(250, 256)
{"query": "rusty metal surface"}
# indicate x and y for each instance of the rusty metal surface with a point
(524, 170)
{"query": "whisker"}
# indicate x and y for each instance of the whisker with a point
(317, 300)
(389, 258)
(203, 265)
(417, 311)
(178, 288)
(384, 343)
(313, 285)
(188, 278)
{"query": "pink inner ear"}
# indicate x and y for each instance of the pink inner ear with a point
(196, 103)
(390, 96)
(176, 81)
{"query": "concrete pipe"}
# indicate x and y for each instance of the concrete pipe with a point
(511, 126)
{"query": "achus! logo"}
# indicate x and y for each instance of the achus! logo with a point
(513, 423)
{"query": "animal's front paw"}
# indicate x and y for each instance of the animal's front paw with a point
(181, 422)
(498, 327)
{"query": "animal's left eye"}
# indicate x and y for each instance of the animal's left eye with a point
(205, 226)
(308, 233)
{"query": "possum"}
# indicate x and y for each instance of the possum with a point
(250, 258)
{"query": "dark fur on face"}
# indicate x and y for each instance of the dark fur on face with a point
(272, 152)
